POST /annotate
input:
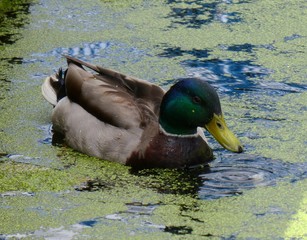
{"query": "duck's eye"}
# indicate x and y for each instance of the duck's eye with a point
(196, 99)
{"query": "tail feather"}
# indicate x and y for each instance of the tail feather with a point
(49, 92)
(53, 88)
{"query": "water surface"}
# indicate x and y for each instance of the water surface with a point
(253, 53)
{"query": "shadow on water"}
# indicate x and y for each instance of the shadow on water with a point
(229, 175)
(246, 47)
(171, 181)
(195, 14)
(13, 15)
(178, 51)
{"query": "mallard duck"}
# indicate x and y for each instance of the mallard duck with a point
(123, 119)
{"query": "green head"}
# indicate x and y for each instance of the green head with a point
(193, 103)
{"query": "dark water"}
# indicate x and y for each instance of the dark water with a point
(192, 15)
(13, 15)
(233, 174)
(231, 76)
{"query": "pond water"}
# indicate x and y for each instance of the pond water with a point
(252, 52)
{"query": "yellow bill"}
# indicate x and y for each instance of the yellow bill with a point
(219, 130)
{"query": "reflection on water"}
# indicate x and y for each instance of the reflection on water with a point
(230, 76)
(194, 14)
(87, 49)
(235, 77)
(92, 50)
(113, 51)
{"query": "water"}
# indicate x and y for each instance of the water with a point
(195, 14)
(253, 53)
(232, 175)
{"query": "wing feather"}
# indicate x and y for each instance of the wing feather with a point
(112, 97)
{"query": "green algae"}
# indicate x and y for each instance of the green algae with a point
(266, 216)
(13, 15)
(279, 126)
(53, 173)
(286, 141)
(296, 226)
(26, 177)
(263, 216)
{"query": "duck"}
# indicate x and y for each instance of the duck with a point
(119, 118)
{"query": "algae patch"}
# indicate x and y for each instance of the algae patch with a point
(279, 132)
(31, 178)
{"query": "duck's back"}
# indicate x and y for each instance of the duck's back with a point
(112, 97)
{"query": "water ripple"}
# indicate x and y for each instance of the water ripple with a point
(234, 174)
(229, 180)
